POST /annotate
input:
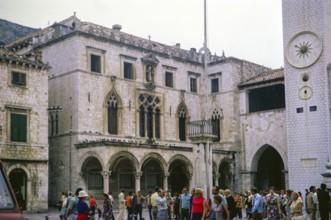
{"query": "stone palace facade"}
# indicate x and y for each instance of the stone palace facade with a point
(128, 112)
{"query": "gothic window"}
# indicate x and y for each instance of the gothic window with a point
(215, 121)
(182, 122)
(142, 121)
(169, 79)
(52, 125)
(128, 70)
(214, 85)
(193, 84)
(113, 114)
(149, 116)
(150, 122)
(157, 123)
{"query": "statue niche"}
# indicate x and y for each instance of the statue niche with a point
(149, 73)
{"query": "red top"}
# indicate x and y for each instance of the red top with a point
(197, 204)
(93, 202)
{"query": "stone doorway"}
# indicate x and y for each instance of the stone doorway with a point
(91, 173)
(18, 181)
(269, 169)
(224, 170)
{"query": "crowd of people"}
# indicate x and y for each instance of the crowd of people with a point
(196, 205)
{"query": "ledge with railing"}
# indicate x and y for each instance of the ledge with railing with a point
(200, 131)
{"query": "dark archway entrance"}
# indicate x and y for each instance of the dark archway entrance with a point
(18, 180)
(152, 176)
(269, 170)
(224, 181)
(92, 174)
(123, 175)
(178, 176)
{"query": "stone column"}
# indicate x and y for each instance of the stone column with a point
(165, 180)
(138, 176)
(190, 182)
(285, 172)
(106, 175)
(216, 178)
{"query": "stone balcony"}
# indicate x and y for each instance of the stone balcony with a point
(200, 131)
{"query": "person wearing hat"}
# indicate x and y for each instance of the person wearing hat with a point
(82, 207)
(72, 206)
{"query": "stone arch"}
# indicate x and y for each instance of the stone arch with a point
(125, 154)
(184, 159)
(152, 167)
(113, 93)
(225, 171)
(180, 171)
(216, 112)
(155, 156)
(180, 107)
(21, 182)
(259, 150)
(91, 173)
(85, 156)
(124, 169)
(268, 167)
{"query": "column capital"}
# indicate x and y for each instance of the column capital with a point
(105, 174)
(139, 174)
(166, 174)
(217, 176)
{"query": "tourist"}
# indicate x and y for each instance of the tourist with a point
(93, 205)
(273, 205)
(185, 204)
(162, 206)
(296, 205)
(107, 208)
(82, 208)
(121, 205)
(199, 205)
(72, 206)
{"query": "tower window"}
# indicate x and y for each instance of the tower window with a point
(193, 85)
(169, 79)
(214, 85)
(128, 70)
(18, 78)
(95, 63)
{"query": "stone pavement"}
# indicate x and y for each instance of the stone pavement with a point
(53, 214)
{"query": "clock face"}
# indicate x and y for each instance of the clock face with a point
(304, 49)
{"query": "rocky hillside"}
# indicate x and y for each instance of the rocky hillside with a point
(10, 31)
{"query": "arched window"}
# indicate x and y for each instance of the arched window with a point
(149, 116)
(113, 114)
(182, 123)
(157, 123)
(150, 122)
(141, 121)
(215, 121)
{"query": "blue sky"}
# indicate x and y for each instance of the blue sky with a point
(246, 29)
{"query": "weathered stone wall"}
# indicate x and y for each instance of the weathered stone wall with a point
(308, 133)
(31, 157)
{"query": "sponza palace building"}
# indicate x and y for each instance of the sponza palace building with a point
(127, 112)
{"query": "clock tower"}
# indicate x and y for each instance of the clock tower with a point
(307, 68)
